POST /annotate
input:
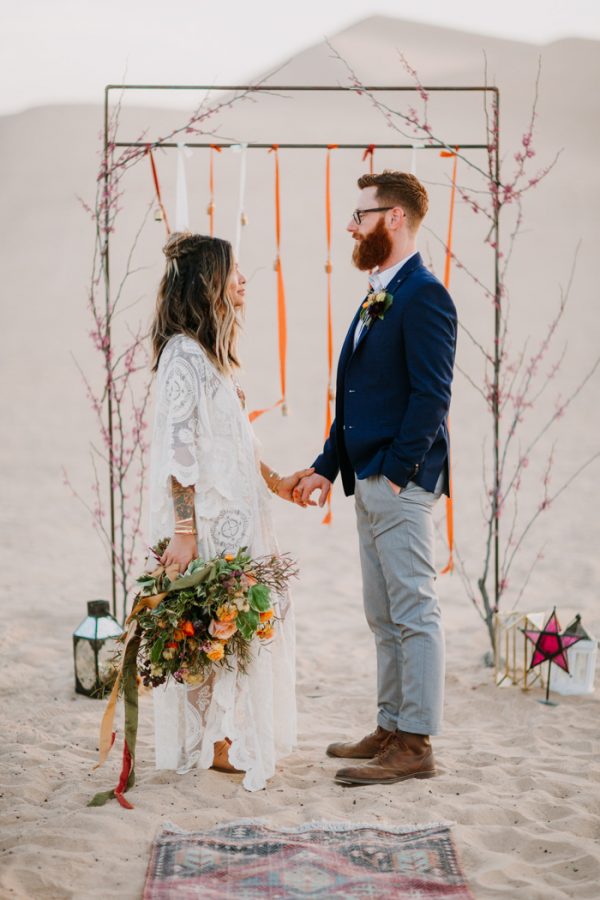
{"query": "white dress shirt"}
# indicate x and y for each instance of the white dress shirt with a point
(379, 280)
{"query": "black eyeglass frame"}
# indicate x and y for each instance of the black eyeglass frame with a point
(356, 215)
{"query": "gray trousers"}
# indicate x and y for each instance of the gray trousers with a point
(396, 539)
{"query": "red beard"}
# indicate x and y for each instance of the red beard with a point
(373, 249)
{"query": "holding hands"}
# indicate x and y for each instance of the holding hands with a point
(298, 487)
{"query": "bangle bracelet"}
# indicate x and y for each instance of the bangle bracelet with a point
(185, 531)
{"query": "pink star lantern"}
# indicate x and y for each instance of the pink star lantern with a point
(550, 646)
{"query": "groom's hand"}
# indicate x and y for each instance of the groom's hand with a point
(307, 486)
(285, 488)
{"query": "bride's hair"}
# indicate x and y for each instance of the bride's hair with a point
(193, 298)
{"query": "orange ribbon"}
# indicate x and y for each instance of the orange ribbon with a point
(449, 500)
(281, 305)
(157, 189)
(328, 270)
(369, 152)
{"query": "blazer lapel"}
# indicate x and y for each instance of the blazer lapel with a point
(391, 288)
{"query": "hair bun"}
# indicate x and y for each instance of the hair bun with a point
(183, 243)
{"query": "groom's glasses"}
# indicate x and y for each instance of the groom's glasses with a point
(358, 214)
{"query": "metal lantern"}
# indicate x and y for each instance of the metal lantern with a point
(94, 647)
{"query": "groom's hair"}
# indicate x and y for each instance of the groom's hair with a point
(399, 189)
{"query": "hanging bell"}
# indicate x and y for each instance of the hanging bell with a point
(276, 264)
(158, 216)
(210, 208)
(244, 219)
(285, 410)
(328, 267)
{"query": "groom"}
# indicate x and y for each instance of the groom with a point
(390, 442)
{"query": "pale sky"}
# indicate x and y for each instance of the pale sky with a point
(65, 51)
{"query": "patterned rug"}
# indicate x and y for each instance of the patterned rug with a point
(247, 859)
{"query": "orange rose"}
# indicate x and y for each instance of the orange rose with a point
(266, 633)
(216, 652)
(222, 630)
(227, 613)
(187, 627)
(266, 616)
(229, 557)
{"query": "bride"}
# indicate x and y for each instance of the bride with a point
(209, 493)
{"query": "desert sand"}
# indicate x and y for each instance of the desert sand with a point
(519, 781)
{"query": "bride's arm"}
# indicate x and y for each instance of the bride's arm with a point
(282, 485)
(182, 547)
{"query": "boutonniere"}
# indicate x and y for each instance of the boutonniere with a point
(375, 306)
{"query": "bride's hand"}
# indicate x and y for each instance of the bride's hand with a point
(285, 488)
(181, 550)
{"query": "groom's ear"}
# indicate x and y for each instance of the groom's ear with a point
(397, 218)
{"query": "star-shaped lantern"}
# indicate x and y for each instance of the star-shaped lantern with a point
(550, 646)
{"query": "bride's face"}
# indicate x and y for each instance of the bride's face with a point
(237, 287)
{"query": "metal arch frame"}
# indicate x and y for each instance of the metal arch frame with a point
(484, 89)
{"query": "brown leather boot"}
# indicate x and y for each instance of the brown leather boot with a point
(221, 758)
(367, 748)
(403, 756)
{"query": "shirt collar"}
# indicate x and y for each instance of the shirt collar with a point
(380, 279)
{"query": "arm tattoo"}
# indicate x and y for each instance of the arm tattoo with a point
(183, 501)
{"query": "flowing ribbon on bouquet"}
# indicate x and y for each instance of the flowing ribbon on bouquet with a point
(447, 265)
(281, 305)
(157, 189)
(370, 154)
(126, 681)
(211, 189)
(328, 270)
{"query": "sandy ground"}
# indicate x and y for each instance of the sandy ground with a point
(518, 780)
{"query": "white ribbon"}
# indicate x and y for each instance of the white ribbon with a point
(240, 221)
(413, 157)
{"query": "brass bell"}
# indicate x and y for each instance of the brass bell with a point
(210, 208)
(328, 267)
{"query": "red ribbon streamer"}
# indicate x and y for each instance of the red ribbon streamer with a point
(370, 152)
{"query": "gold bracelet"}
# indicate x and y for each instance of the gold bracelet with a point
(185, 531)
(275, 485)
(272, 478)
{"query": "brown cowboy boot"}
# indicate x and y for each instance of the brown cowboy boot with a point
(367, 748)
(403, 756)
(221, 758)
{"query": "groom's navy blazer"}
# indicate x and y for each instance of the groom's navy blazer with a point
(393, 389)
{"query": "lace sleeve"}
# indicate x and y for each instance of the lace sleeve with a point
(184, 414)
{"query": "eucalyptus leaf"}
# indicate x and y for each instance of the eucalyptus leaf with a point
(258, 597)
(247, 623)
(157, 649)
(191, 580)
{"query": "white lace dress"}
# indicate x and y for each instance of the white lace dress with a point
(203, 437)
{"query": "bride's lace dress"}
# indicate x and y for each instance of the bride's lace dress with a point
(203, 437)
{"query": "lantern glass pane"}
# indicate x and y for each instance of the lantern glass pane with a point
(85, 664)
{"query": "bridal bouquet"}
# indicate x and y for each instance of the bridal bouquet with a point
(206, 617)
(182, 627)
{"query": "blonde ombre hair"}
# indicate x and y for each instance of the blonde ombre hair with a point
(193, 298)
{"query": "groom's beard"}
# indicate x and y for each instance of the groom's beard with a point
(373, 249)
